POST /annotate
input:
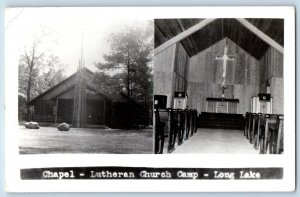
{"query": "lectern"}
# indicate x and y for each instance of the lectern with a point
(180, 100)
(262, 103)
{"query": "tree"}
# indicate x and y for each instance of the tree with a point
(127, 67)
(129, 57)
(28, 65)
(51, 73)
(105, 81)
(37, 73)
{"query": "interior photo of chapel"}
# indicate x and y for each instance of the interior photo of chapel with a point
(219, 86)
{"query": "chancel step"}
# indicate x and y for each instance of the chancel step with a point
(221, 121)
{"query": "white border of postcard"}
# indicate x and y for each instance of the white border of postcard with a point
(14, 162)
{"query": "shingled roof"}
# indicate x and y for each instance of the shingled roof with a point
(69, 83)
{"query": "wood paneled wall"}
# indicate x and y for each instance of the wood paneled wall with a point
(205, 76)
(181, 69)
(164, 73)
(201, 75)
(170, 72)
(271, 74)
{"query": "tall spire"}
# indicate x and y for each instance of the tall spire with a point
(81, 56)
(79, 109)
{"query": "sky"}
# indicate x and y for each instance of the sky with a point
(61, 32)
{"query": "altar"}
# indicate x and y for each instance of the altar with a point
(222, 105)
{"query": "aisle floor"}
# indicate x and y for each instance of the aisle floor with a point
(217, 141)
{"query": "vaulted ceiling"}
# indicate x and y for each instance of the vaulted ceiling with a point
(165, 29)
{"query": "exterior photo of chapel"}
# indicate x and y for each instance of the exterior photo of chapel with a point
(85, 82)
(76, 101)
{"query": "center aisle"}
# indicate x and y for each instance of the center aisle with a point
(217, 141)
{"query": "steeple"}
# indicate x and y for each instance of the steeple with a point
(79, 109)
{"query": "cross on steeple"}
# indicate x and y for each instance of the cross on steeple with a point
(225, 57)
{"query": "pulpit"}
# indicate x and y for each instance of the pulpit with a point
(180, 100)
(262, 103)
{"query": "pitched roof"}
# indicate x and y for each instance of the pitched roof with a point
(165, 29)
(69, 83)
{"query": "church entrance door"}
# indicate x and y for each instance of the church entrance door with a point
(95, 112)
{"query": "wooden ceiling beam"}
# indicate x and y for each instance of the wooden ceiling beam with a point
(188, 39)
(183, 35)
(260, 34)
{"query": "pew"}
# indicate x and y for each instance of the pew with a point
(160, 120)
(187, 124)
(270, 124)
(271, 134)
(175, 124)
(159, 134)
(172, 129)
(167, 126)
(181, 125)
(276, 137)
(265, 132)
(247, 116)
(251, 126)
(256, 130)
(194, 121)
(260, 137)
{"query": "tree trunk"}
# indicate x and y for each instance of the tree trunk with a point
(128, 75)
(28, 92)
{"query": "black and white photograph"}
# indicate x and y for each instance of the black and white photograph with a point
(219, 86)
(150, 99)
(84, 82)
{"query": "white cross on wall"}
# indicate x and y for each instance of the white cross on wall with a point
(225, 58)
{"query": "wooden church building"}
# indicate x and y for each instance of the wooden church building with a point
(223, 65)
(78, 102)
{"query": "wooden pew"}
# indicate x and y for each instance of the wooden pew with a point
(181, 125)
(247, 120)
(174, 124)
(266, 132)
(257, 130)
(159, 133)
(249, 126)
(253, 118)
(187, 124)
(276, 137)
(166, 128)
(194, 119)
(191, 122)
(261, 133)
(172, 130)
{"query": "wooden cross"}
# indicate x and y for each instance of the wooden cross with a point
(225, 57)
